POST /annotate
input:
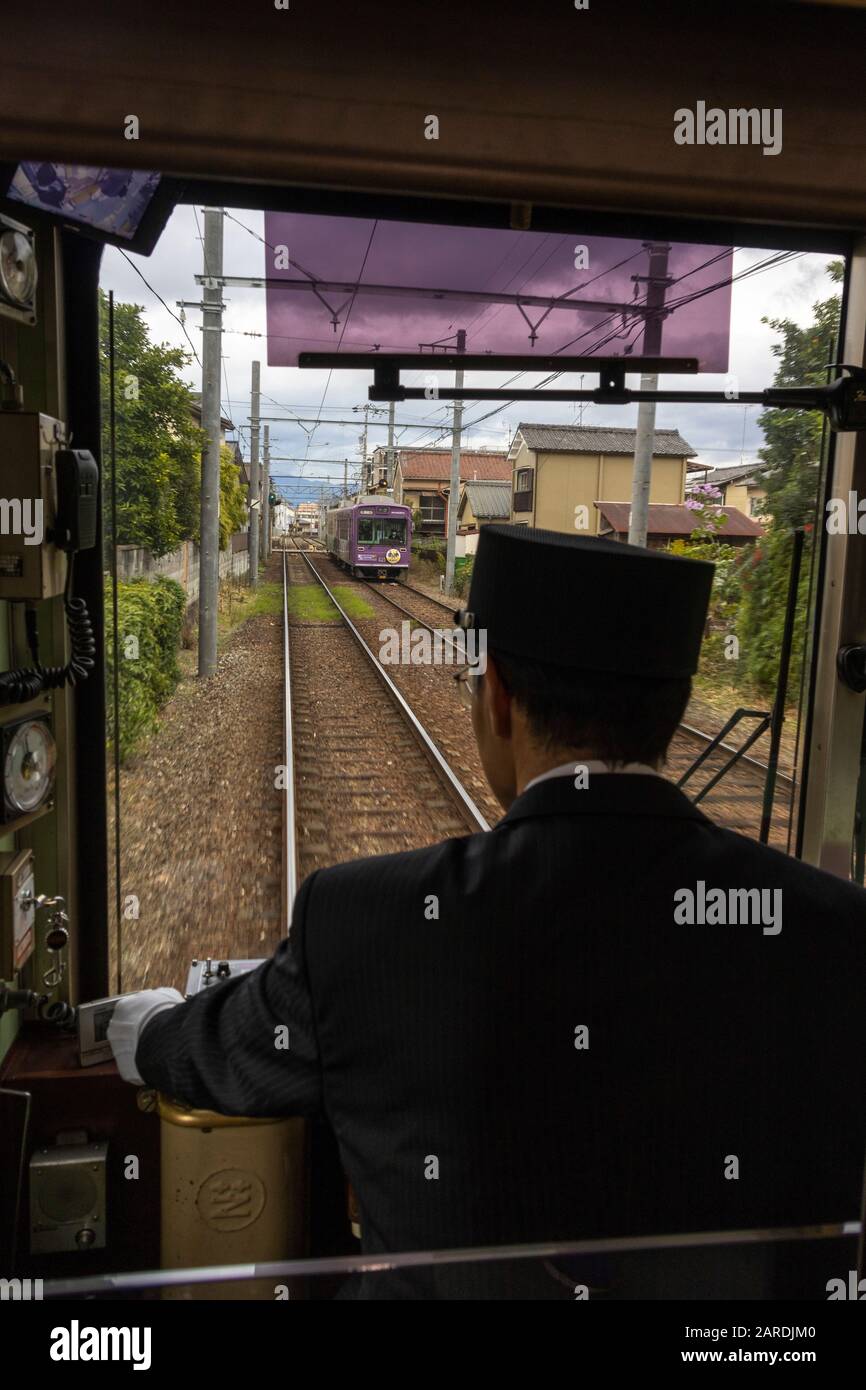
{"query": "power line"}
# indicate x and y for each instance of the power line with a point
(345, 326)
(770, 262)
(158, 296)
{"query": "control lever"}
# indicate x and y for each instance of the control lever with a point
(57, 931)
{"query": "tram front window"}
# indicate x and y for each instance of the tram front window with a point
(381, 531)
(731, 484)
(202, 784)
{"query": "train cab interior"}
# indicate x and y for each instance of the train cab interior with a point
(558, 121)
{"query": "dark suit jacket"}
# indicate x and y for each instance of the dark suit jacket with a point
(432, 1000)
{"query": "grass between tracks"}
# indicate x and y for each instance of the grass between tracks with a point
(241, 602)
(351, 601)
(308, 603)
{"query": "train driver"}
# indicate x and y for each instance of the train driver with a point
(608, 1016)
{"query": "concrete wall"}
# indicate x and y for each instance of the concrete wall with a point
(136, 562)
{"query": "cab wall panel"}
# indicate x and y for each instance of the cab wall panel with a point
(554, 104)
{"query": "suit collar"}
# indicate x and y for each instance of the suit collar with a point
(608, 794)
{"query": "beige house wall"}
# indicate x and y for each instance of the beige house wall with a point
(741, 496)
(410, 495)
(737, 495)
(667, 483)
(563, 483)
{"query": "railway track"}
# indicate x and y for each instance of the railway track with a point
(689, 730)
(363, 775)
(735, 800)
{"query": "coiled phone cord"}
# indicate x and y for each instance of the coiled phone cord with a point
(25, 683)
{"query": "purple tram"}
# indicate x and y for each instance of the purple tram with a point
(370, 537)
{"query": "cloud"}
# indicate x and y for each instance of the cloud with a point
(720, 433)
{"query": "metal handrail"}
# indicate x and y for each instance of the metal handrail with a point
(414, 1259)
(761, 727)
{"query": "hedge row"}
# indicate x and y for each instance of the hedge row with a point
(150, 617)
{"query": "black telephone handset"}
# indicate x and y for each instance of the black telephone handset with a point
(77, 494)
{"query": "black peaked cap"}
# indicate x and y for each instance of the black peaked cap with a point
(587, 603)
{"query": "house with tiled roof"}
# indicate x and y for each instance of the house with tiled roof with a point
(670, 522)
(422, 480)
(226, 425)
(560, 472)
(484, 502)
(742, 486)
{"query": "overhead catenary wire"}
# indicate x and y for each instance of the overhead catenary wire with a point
(158, 296)
(438, 431)
(770, 262)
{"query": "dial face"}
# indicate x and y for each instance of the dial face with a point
(28, 770)
(17, 268)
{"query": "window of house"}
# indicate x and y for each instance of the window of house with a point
(523, 490)
(432, 507)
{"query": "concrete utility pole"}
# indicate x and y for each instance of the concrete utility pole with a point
(363, 446)
(345, 479)
(366, 464)
(657, 283)
(266, 497)
(255, 511)
(209, 537)
(454, 494)
(390, 454)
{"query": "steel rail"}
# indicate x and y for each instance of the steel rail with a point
(430, 598)
(413, 589)
(687, 728)
(380, 590)
(414, 722)
(290, 857)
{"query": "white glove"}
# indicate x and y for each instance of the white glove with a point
(128, 1021)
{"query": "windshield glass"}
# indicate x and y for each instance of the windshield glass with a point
(381, 530)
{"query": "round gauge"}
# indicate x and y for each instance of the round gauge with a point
(17, 268)
(28, 769)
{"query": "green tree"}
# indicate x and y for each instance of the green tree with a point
(791, 454)
(233, 502)
(731, 562)
(791, 462)
(158, 444)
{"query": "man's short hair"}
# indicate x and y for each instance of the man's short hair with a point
(621, 719)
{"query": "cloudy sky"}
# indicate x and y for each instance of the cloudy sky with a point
(315, 445)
